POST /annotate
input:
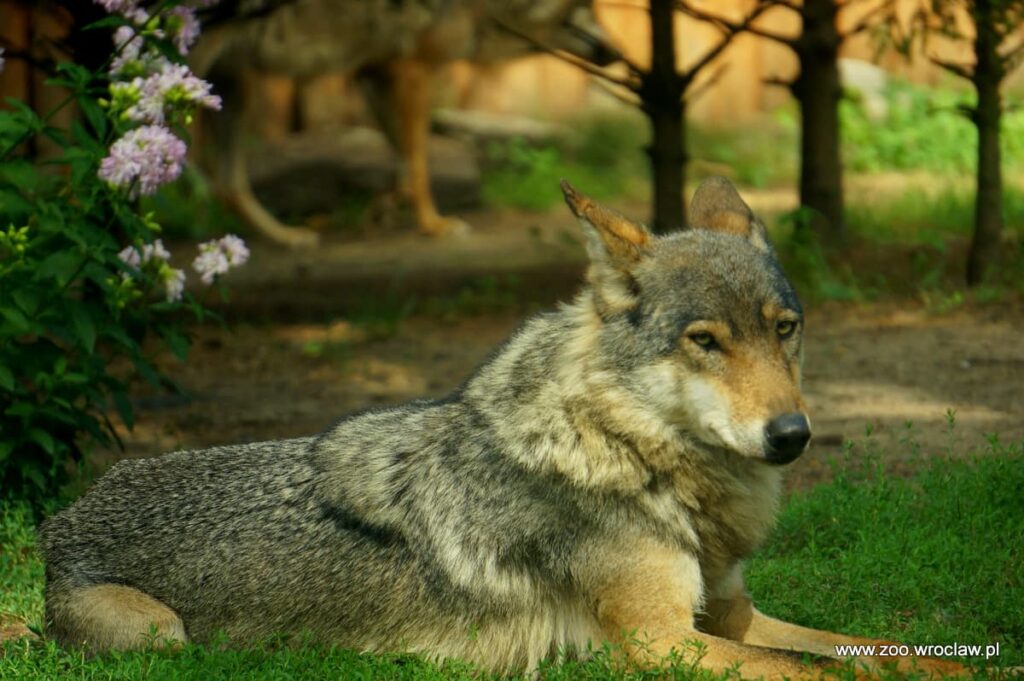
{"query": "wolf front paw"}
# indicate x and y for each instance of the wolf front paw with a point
(442, 226)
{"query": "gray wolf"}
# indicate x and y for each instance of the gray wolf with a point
(394, 51)
(600, 479)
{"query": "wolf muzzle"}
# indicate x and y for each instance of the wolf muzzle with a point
(786, 438)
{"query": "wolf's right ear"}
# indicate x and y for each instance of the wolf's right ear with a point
(612, 238)
(717, 207)
(615, 244)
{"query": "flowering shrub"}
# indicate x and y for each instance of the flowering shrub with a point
(84, 279)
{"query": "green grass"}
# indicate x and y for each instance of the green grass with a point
(936, 558)
(931, 216)
(909, 244)
(603, 154)
(931, 559)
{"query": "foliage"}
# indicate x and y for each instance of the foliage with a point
(929, 559)
(924, 129)
(806, 263)
(602, 156)
(903, 244)
(763, 154)
(83, 277)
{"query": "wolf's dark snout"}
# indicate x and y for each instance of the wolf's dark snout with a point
(786, 435)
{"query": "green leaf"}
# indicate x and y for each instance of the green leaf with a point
(94, 114)
(62, 266)
(6, 378)
(23, 110)
(43, 439)
(27, 300)
(15, 207)
(20, 173)
(177, 342)
(22, 409)
(106, 22)
(18, 321)
(124, 408)
(83, 326)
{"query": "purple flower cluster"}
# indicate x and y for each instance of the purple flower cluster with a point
(218, 256)
(150, 90)
(143, 159)
(136, 258)
(172, 87)
(183, 27)
(215, 258)
(157, 257)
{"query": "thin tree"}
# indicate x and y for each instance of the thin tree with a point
(817, 89)
(998, 47)
(662, 93)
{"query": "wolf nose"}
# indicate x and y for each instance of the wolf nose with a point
(786, 436)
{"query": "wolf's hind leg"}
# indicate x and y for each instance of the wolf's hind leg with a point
(112, 617)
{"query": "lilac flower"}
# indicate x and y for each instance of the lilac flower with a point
(136, 258)
(128, 44)
(155, 251)
(129, 255)
(118, 6)
(210, 262)
(174, 283)
(218, 256)
(183, 27)
(173, 86)
(234, 249)
(150, 154)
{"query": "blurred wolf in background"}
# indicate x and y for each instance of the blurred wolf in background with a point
(601, 478)
(393, 48)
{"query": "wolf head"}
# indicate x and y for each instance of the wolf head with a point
(702, 324)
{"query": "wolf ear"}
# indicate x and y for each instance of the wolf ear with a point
(612, 238)
(717, 206)
(615, 244)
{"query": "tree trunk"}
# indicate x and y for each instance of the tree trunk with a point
(661, 94)
(988, 203)
(817, 90)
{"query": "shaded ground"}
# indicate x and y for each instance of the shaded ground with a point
(318, 334)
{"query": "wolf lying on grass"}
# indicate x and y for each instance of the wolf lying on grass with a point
(601, 478)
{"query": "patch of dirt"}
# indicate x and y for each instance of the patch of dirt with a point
(12, 629)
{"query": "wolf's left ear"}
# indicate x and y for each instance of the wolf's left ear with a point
(717, 206)
(612, 238)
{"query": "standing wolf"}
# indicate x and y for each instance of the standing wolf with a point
(394, 49)
(600, 479)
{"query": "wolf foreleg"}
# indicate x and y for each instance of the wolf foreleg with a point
(412, 96)
(647, 603)
(737, 619)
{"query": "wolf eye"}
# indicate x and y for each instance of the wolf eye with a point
(704, 340)
(785, 329)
